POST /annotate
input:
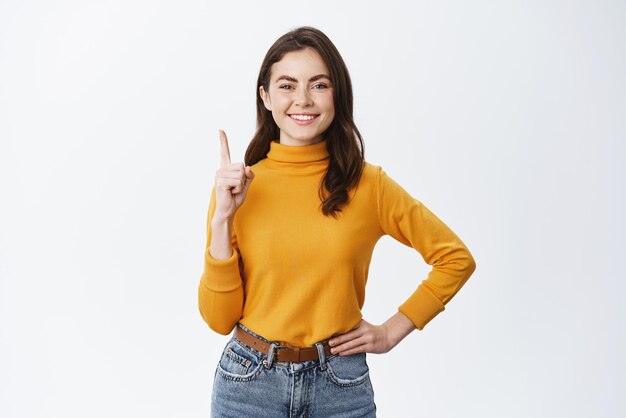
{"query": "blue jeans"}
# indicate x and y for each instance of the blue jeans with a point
(248, 383)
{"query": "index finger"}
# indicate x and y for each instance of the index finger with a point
(224, 150)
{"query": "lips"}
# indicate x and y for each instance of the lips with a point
(303, 117)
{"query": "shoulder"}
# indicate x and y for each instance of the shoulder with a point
(369, 181)
(260, 165)
(382, 182)
(374, 174)
(369, 176)
(377, 174)
(371, 171)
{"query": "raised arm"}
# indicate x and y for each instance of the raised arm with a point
(220, 292)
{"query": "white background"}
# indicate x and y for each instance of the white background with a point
(507, 119)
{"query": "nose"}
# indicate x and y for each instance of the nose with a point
(303, 97)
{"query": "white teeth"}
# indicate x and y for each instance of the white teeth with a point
(302, 117)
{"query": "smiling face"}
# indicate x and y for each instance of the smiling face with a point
(300, 97)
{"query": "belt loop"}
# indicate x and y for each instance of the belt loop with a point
(321, 354)
(270, 356)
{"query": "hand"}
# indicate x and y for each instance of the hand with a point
(364, 337)
(232, 181)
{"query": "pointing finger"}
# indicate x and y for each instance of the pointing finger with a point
(224, 150)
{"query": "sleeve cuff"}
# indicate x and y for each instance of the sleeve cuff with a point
(221, 275)
(421, 307)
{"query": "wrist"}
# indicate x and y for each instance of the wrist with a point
(398, 327)
(219, 219)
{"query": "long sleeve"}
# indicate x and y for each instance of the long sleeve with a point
(220, 292)
(407, 220)
(290, 261)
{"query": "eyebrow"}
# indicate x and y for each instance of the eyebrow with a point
(314, 78)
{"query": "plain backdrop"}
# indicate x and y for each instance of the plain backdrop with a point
(507, 119)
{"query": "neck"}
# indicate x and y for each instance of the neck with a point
(316, 152)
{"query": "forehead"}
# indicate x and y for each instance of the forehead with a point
(301, 64)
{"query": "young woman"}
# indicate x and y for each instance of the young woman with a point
(290, 235)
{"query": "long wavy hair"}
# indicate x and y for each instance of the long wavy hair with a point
(344, 141)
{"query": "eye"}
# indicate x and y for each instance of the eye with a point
(285, 87)
(320, 86)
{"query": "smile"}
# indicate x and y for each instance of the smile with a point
(303, 117)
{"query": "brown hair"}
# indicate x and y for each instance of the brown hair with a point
(344, 142)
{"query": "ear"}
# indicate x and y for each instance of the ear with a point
(266, 98)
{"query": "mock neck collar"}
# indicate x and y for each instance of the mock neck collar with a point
(297, 153)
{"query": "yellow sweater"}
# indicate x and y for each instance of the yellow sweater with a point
(296, 276)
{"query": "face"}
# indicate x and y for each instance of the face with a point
(300, 97)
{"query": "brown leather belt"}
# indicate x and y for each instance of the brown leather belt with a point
(281, 353)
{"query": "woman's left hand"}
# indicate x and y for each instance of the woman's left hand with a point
(364, 337)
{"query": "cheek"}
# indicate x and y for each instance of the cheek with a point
(329, 105)
(278, 119)
(330, 109)
(281, 104)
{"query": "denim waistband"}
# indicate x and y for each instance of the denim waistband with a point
(270, 356)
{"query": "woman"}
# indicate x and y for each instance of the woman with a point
(290, 236)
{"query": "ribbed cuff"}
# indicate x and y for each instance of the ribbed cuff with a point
(421, 307)
(221, 275)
